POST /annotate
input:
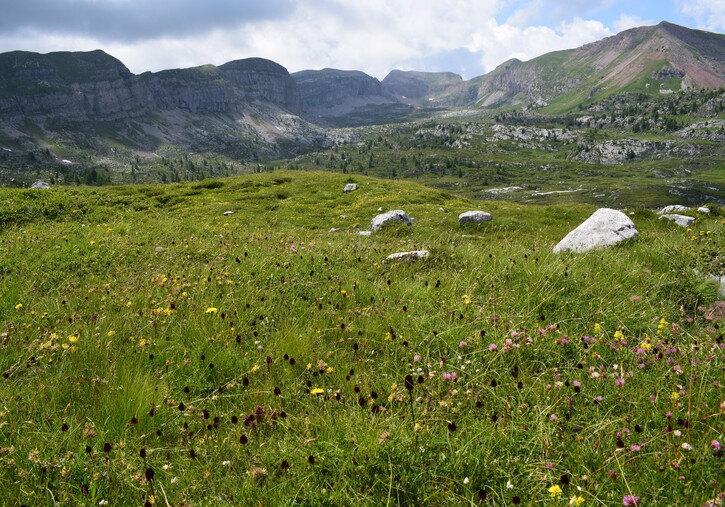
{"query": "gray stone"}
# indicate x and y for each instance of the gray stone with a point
(40, 184)
(605, 227)
(681, 220)
(227, 213)
(415, 254)
(703, 210)
(364, 233)
(350, 187)
(391, 216)
(474, 217)
(675, 208)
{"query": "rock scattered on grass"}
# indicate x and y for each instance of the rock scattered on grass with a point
(603, 228)
(675, 208)
(474, 217)
(703, 210)
(391, 216)
(41, 185)
(681, 220)
(350, 187)
(412, 255)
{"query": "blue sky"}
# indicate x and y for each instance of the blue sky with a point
(469, 37)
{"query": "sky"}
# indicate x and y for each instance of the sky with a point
(468, 37)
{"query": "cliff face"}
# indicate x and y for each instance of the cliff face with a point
(330, 87)
(96, 86)
(413, 87)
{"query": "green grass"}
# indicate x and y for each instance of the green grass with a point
(144, 321)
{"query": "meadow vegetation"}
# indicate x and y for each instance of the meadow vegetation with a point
(157, 351)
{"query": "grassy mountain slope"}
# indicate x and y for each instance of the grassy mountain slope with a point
(645, 59)
(155, 349)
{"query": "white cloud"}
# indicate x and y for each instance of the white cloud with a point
(498, 43)
(625, 22)
(375, 36)
(710, 14)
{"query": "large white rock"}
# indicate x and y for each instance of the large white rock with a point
(605, 227)
(382, 219)
(40, 184)
(675, 208)
(415, 254)
(350, 187)
(474, 217)
(681, 220)
(704, 210)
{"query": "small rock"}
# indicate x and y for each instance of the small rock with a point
(334, 230)
(474, 217)
(364, 233)
(681, 220)
(343, 217)
(160, 249)
(40, 184)
(382, 219)
(415, 254)
(227, 213)
(350, 187)
(703, 210)
(442, 209)
(604, 227)
(675, 208)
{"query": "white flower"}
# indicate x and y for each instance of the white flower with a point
(466, 480)
(686, 446)
(174, 480)
(509, 485)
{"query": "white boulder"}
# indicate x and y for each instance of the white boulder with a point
(40, 184)
(703, 210)
(391, 216)
(350, 187)
(605, 227)
(681, 220)
(474, 217)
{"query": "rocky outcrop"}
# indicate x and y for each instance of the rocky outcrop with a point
(603, 228)
(625, 150)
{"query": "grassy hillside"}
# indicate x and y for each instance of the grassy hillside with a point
(158, 351)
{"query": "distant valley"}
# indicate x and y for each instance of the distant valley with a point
(652, 95)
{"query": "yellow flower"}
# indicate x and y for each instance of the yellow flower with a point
(618, 335)
(576, 500)
(254, 368)
(555, 491)
(466, 299)
(72, 339)
(317, 390)
(211, 309)
(343, 293)
(111, 333)
(675, 395)
(19, 306)
(597, 328)
(663, 326)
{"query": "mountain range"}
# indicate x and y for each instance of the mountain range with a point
(254, 109)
